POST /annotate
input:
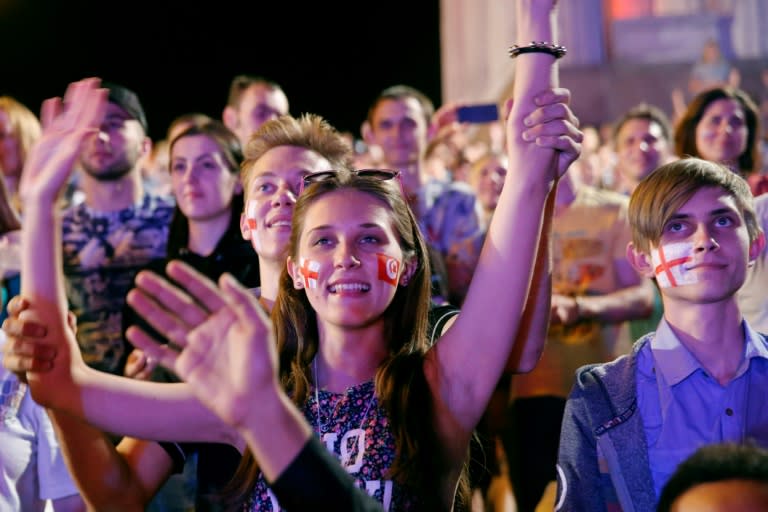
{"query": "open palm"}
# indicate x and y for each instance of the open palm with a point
(222, 340)
(65, 123)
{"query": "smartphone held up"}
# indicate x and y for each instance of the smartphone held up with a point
(480, 113)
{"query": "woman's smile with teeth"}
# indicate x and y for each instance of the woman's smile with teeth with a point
(348, 287)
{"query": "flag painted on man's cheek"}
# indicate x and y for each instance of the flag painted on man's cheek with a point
(388, 268)
(669, 265)
(308, 268)
(250, 218)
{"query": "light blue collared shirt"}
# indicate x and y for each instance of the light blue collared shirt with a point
(683, 408)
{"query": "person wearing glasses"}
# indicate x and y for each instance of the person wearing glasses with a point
(550, 147)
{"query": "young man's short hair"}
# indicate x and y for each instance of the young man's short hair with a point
(646, 112)
(241, 83)
(661, 194)
(400, 92)
(715, 463)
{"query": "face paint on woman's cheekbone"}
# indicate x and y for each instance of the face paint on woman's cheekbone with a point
(309, 269)
(388, 268)
(251, 207)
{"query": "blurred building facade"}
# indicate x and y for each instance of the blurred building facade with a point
(620, 52)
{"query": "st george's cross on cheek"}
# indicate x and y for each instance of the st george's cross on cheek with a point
(669, 265)
(309, 268)
(250, 214)
(388, 268)
(250, 219)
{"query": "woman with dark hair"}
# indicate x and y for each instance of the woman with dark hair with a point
(205, 230)
(204, 172)
(721, 125)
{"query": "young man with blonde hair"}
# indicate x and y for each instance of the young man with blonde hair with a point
(702, 376)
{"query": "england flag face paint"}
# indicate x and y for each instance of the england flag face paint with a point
(388, 268)
(669, 265)
(308, 269)
(251, 207)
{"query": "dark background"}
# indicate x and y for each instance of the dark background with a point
(331, 58)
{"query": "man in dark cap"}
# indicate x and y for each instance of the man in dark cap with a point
(114, 231)
(128, 101)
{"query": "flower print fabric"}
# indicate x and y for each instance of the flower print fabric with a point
(355, 429)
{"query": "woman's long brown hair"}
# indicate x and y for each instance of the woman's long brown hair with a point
(400, 384)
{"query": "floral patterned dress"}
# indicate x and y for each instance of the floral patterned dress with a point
(355, 429)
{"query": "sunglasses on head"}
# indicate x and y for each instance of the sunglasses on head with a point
(376, 174)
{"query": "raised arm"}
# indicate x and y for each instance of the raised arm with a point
(545, 121)
(50, 162)
(531, 336)
(108, 402)
(121, 478)
(492, 314)
(70, 389)
(47, 169)
(633, 300)
(238, 380)
(68, 384)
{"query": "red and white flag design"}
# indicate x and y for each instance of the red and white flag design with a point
(250, 213)
(250, 219)
(388, 268)
(309, 269)
(669, 265)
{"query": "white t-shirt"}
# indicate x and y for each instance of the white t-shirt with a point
(753, 301)
(32, 469)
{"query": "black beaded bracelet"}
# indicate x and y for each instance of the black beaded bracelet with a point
(557, 51)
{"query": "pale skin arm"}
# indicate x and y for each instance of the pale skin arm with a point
(531, 337)
(629, 303)
(89, 454)
(128, 476)
(72, 503)
(509, 254)
(238, 379)
(529, 345)
(125, 477)
(108, 402)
